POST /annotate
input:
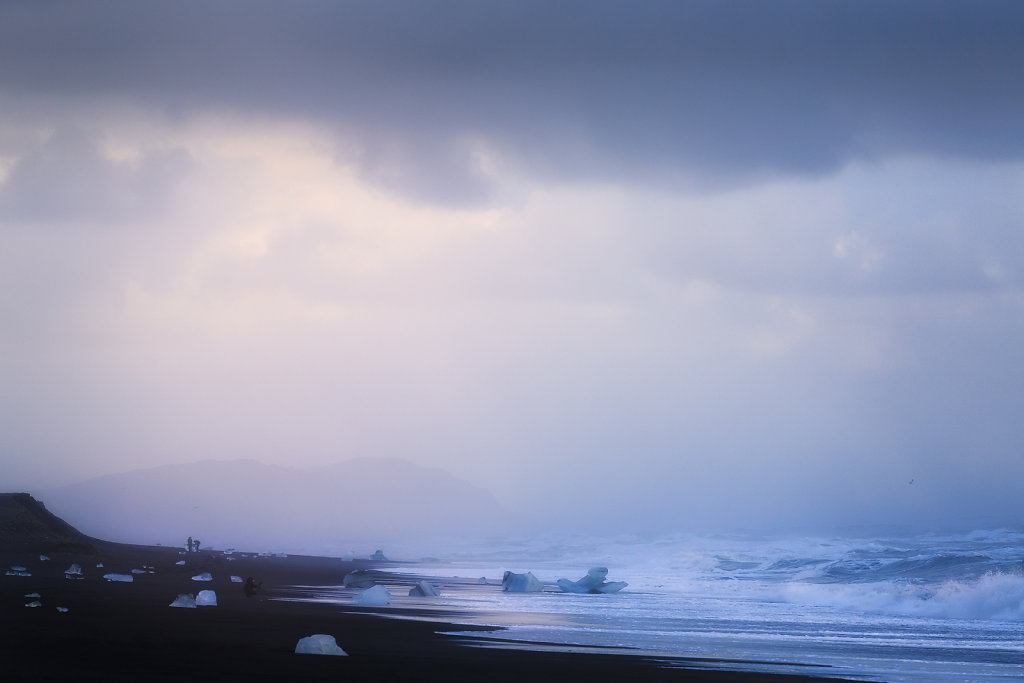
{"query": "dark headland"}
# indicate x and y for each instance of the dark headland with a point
(115, 631)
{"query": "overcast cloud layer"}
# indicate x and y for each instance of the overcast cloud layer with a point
(674, 266)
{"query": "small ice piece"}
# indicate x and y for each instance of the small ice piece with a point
(124, 578)
(206, 599)
(424, 589)
(379, 556)
(99, 565)
(357, 579)
(62, 609)
(17, 573)
(44, 558)
(17, 568)
(180, 562)
(593, 582)
(378, 596)
(319, 644)
(281, 555)
(205, 576)
(73, 570)
(32, 595)
(138, 571)
(184, 600)
(34, 603)
(482, 580)
(236, 579)
(521, 583)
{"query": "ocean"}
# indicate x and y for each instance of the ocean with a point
(934, 607)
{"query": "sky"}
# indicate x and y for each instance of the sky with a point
(645, 267)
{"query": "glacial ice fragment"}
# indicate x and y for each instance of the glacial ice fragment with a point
(482, 580)
(184, 600)
(17, 568)
(205, 576)
(179, 562)
(378, 596)
(236, 579)
(424, 589)
(379, 556)
(32, 595)
(99, 565)
(62, 609)
(357, 579)
(593, 582)
(521, 583)
(44, 558)
(206, 599)
(125, 578)
(139, 571)
(73, 570)
(319, 644)
(34, 603)
(17, 573)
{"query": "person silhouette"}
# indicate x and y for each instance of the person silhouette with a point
(190, 544)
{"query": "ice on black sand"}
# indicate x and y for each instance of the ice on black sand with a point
(184, 600)
(319, 644)
(521, 583)
(593, 582)
(424, 589)
(378, 596)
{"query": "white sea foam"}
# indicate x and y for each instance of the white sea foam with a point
(931, 607)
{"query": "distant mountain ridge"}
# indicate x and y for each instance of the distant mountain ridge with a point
(250, 505)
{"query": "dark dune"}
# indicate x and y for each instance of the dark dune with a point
(127, 632)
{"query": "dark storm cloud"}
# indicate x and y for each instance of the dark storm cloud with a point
(726, 91)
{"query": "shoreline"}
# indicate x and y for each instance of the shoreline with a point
(126, 631)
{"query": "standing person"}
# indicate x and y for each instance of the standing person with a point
(251, 587)
(197, 545)
(190, 544)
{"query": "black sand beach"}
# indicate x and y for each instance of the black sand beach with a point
(116, 631)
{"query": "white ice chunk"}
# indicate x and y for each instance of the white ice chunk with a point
(424, 589)
(205, 576)
(73, 570)
(236, 579)
(180, 562)
(17, 568)
(32, 595)
(34, 603)
(378, 596)
(125, 578)
(357, 579)
(521, 583)
(17, 573)
(319, 644)
(99, 565)
(139, 571)
(62, 609)
(482, 580)
(206, 599)
(593, 582)
(44, 558)
(184, 600)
